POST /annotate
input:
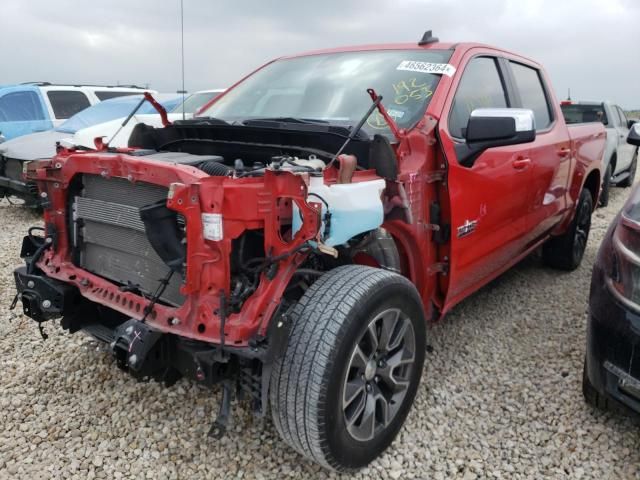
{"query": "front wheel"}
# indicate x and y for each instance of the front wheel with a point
(565, 252)
(341, 390)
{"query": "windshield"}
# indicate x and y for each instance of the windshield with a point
(110, 110)
(196, 101)
(584, 113)
(333, 88)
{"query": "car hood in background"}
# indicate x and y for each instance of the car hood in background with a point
(86, 136)
(33, 146)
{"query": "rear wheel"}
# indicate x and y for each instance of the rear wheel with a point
(565, 252)
(606, 186)
(627, 182)
(343, 387)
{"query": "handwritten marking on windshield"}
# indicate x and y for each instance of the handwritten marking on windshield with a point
(410, 89)
(377, 121)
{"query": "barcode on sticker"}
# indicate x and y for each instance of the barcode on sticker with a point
(426, 67)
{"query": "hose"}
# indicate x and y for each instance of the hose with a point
(215, 169)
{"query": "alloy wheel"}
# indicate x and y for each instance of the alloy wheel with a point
(378, 374)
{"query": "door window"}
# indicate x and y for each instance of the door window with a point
(532, 94)
(66, 103)
(624, 123)
(480, 87)
(20, 107)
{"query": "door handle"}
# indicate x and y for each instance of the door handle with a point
(564, 152)
(521, 163)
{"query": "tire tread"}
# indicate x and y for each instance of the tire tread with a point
(299, 375)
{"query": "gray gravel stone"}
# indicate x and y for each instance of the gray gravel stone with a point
(500, 397)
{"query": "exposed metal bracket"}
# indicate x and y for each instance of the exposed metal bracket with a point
(440, 267)
(431, 227)
(435, 176)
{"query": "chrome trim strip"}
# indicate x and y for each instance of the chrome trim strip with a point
(622, 299)
(628, 222)
(624, 250)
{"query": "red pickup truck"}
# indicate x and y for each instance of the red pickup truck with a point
(293, 241)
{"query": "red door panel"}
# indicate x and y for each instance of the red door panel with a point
(488, 205)
(489, 201)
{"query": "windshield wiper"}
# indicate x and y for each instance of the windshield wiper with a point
(203, 121)
(308, 121)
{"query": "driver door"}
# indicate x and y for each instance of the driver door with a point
(489, 200)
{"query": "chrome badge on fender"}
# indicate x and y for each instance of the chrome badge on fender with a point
(467, 228)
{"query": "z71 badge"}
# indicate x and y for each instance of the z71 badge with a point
(467, 228)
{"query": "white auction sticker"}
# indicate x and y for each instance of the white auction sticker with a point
(212, 226)
(426, 67)
(395, 114)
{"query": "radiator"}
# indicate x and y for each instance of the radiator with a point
(110, 239)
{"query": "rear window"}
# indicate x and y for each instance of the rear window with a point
(532, 93)
(584, 114)
(20, 107)
(107, 94)
(67, 103)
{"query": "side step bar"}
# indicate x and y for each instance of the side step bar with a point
(620, 177)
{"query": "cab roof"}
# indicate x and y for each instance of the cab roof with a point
(453, 46)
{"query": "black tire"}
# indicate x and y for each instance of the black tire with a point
(627, 182)
(309, 380)
(606, 186)
(565, 252)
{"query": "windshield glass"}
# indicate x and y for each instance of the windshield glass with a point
(196, 101)
(333, 88)
(584, 113)
(110, 110)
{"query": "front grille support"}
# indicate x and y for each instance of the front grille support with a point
(109, 236)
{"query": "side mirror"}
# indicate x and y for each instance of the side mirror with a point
(495, 127)
(634, 135)
(631, 122)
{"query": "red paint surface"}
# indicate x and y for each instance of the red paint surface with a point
(517, 204)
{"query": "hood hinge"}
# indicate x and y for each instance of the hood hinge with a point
(435, 176)
(440, 267)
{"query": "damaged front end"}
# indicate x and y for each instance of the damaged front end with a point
(184, 265)
(187, 263)
(138, 251)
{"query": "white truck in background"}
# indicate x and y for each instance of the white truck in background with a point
(620, 158)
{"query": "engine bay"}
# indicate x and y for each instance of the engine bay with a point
(250, 148)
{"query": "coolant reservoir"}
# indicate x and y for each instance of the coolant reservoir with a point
(355, 208)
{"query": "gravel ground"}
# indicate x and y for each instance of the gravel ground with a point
(500, 397)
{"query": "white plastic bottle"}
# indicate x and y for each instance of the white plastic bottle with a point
(355, 208)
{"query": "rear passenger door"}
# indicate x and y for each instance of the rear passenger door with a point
(550, 153)
(66, 103)
(625, 151)
(488, 200)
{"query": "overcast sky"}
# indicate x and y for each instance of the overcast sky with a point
(589, 46)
